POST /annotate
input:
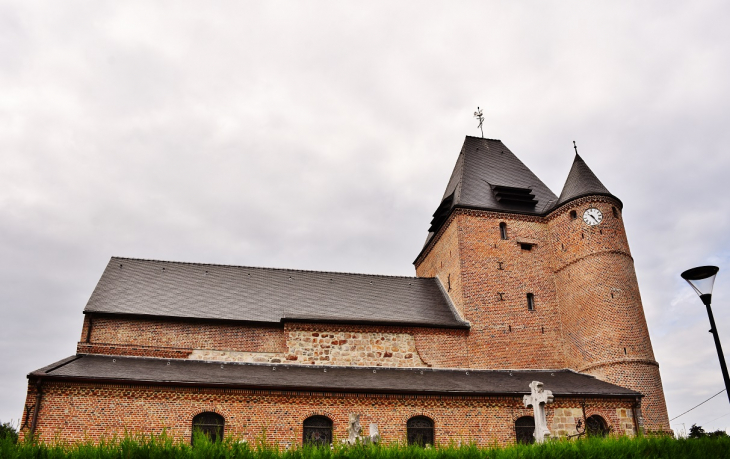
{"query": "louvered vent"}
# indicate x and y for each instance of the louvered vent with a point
(442, 213)
(513, 195)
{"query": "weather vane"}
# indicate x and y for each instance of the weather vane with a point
(480, 116)
(576, 147)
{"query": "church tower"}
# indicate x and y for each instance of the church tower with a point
(604, 327)
(544, 281)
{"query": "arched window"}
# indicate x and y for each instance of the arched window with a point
(596, 426)
(503, 230)
(210, 424)
(525, 430)
(317, 430)
(420, 431)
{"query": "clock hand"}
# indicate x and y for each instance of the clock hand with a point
(594, 218)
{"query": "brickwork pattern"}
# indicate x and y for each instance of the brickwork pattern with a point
(588, 308)
(80, 412)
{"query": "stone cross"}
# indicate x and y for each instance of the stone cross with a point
(538, 399)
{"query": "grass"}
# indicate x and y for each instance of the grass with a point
(163, 447)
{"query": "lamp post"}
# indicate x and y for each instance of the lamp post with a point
(702, 279)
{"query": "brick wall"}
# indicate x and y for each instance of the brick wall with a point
(293, 343)
(602, 315)
(78, 412)
(175, 338)
(588, 308)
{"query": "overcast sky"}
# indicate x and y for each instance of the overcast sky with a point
(321, 135)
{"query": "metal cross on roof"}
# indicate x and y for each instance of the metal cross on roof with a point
(480, 116)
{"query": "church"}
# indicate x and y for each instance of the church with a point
(514, 284)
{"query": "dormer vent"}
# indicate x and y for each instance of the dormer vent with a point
(514, 195)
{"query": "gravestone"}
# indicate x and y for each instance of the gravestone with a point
(354, 430)
(537, 400)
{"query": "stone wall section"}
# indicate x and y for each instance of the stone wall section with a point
(82, 412)
(352, 348)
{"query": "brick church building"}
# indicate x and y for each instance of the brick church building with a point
(514, 284)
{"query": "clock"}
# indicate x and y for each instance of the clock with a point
(592, 216)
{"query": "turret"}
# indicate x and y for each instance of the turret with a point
(603, 322)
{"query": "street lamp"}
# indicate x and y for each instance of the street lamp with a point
(701, 279)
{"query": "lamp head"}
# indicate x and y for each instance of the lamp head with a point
(702, 279)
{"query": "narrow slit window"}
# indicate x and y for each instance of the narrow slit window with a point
(615, 212)
(503, 230)
(530, 302)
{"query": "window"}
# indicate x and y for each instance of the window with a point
(615, 212)
(317, 430)
(503, 230)
(525, 430)
(210, 425)
(420, 431)
(530, 302)
(526, 246)
(573, 215)
(596, 426)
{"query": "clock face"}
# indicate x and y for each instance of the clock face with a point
(592, 216)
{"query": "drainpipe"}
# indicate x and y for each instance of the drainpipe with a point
(38, 397)
(634, 412)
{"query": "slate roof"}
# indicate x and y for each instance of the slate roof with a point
(326, 379)
(581, 182)
(483, 166)
(486, 167)
(205, 291)
(485, 163)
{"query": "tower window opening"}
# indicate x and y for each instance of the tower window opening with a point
(530, 302)
(615, 212)
(624, 351)
(543, 330)
(573, 215)
(527, 247)
(503, 230)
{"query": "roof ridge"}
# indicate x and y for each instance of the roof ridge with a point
(270, 269)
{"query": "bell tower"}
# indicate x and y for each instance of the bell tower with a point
(544, 281)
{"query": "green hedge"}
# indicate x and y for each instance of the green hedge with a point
(163, 447)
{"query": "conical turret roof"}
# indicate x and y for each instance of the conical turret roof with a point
(582, 182)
